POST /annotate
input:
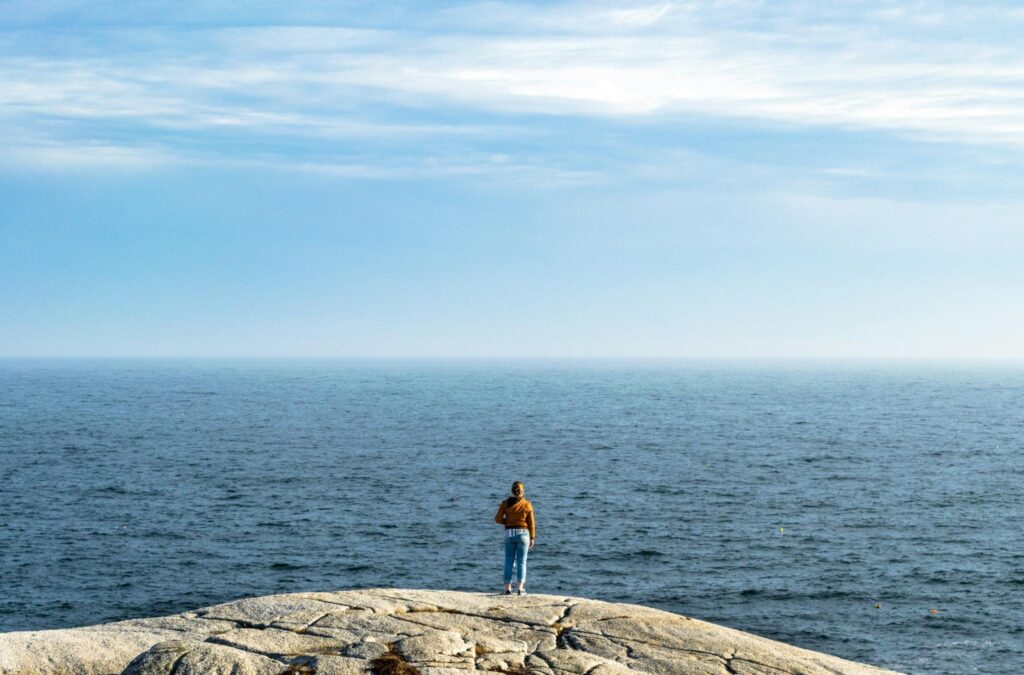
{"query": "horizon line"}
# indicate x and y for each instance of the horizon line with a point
(447, 357)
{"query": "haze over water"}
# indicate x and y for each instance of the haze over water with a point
(782, 499)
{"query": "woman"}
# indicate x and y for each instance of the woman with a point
(516, 514)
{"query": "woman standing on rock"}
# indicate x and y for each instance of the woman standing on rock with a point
(516, 514)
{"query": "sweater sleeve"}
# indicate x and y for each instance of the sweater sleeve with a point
(500, 517)
(530, 524)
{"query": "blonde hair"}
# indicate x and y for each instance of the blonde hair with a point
(517, 488)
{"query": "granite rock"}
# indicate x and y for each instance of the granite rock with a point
(429, 632)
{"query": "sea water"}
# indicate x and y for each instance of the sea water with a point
(871, 511)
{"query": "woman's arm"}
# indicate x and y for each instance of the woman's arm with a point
(531, 525)
(500, 517)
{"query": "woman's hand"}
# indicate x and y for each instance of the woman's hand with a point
(531, 544)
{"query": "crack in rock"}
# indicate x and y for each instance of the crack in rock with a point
(726, 660)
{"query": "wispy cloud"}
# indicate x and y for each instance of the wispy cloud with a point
(44, 153)
(923, 71)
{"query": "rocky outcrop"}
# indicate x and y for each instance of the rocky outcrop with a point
(405, 632)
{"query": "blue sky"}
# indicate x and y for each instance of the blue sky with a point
(719, 179)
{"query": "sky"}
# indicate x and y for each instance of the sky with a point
(720, 179)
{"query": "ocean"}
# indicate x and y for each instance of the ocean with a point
(869, 510)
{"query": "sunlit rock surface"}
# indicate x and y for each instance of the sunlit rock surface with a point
(395, 631)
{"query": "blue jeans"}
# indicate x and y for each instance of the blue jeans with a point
(515, 551)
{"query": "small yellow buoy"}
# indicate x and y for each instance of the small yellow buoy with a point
(782, 529)
(933, 611)
(877, 606)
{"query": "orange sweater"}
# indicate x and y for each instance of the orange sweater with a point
(518, 515)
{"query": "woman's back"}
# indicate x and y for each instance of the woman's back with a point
(516, 512)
